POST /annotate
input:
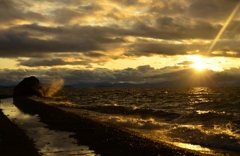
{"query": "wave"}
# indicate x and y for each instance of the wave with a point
(207, 120)
(143, 113)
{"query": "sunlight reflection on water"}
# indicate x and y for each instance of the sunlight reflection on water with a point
(201, 116)
(192, 147)
(49, 142)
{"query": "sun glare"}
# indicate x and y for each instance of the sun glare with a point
(199, 63)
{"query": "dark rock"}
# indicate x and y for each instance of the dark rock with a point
(28, 87)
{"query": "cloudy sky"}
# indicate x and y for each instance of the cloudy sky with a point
(134, 41)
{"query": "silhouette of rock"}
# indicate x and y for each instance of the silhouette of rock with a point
(28, 87)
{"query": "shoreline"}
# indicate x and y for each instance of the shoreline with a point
(104, 139)
(13, 140)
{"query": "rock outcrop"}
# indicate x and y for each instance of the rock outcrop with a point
(28, 87)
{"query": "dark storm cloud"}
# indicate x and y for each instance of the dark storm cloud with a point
(94, 54)
(53, 62)
(228, 77)
(142, 74)
(19, 42)
(90, 7)
(174, 28)
(129, 3)
(228, 48)
(233, 29)
(35, 28)
(76, 76)
(145, 68)
(212, 9)
(24, 38)
(171, 76)
(166, 7)
(12, 77)
(98, 30)
(170, 28)
(65, 15)
(145, 48)
(9, 11)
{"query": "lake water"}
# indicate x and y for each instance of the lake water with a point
(200, 118)
(48, 142)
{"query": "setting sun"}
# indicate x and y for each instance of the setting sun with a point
(199, 63)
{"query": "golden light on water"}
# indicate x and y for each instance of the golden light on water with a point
(192, 147)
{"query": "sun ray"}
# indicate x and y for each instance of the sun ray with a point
(223, 28)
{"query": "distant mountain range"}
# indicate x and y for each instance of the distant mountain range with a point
(177, 83)
(184, 82)
(187, 81)
(11, 86)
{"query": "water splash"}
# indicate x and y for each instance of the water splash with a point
(224, 27)
(54, 87)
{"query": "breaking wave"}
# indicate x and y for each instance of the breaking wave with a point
(54, 87)
(202, 119)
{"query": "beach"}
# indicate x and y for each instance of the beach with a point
(104, 139)
(13, 140)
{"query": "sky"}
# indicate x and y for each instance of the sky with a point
(120, 41)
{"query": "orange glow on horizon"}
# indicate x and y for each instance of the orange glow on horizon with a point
(198, 63)
(201, 63)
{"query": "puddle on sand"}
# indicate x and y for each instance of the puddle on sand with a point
(48, 142)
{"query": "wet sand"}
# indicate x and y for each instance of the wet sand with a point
(13, 140)
(104, 139)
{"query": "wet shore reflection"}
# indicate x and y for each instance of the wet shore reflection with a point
(49, 142)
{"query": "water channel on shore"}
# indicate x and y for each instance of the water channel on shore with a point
(48, 142)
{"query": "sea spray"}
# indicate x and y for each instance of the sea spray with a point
(203, 119)
(54, 87)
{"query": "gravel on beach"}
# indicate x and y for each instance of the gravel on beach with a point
(104, 139)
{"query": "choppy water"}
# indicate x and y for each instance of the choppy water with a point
(201, 118)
